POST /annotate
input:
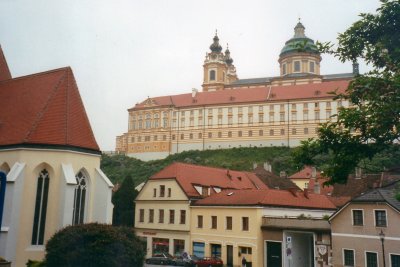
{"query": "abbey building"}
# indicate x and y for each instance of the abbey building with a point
(231, 112)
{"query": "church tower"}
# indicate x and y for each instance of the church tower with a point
(218, 68)
(300, 55)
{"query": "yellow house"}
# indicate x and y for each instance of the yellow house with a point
(163, 215)
(52, 162)
(257, 224)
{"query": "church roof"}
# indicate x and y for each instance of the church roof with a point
(44, 109)
(262, 93)
(4, 71)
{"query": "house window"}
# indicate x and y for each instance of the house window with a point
(228, 223)
(212, 75)
(245, 250)
(305, 116)
(293, 131)
(213, 222)
(240, 133)
(282, 117)
(191, 122)
(172, 216)
(250, 133)
(297, 66)
(182, 136)
(220, 111)
(183, 217)
(199, 221)
(284, 69)
(173, 137)
(220, 121)
(162, 190)
(245, 223)
(260, 132)
(380, 218)
(395, 260)
(312, 67)
(250, 119)
(229, 110)
(271, 132)
(371, 259)
(250, 109)
(79, 199)
(169, 192)
(209, 121)
(229, 134)
(230, 120)
(161, 216)
(141, 215)
(155, 138)
(210, 111)
(165, 122)
(282, 131)
(148, 121)
(154, 192)
(240, 119)
(348, 257)
(151, 216)
(317, 117)
(190, 136)
(182, 123)
(219, 134)
(358, 217)
(39, 219)
(200, 135)
(209, 135)
(305, 130)
(260, 118)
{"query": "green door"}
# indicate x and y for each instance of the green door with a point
(274, 254)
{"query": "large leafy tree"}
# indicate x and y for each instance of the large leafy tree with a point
(370, 125)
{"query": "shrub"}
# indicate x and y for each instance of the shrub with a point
(92, 245)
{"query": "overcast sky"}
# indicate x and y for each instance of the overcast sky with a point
(122, 51)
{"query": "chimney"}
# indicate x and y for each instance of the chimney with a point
(282, 174)
(194, 92)
(267, 166)
(313, 172)
(358, 173)
(317, 188)
(356, 68)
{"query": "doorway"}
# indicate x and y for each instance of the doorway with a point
(229, 255)
(274, 254)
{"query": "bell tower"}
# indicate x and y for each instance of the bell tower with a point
(218, 67)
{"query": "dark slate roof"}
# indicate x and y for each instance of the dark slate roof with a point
(384, 194)
(273, 181)
(253, 81)
(338, 76)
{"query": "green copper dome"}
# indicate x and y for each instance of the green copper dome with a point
(299, 42)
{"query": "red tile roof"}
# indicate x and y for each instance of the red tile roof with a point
(4, 70)
(44, 109)
(270, 197)
(247, 95)
(305, 173)
(188, 175)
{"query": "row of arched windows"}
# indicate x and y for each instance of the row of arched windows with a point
(42, 193)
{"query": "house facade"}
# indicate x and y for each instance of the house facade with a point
(365, 232)
(52, 162)
(231, 112)
(163, 214)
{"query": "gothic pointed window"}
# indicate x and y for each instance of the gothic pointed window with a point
(39, 219)
(79, 199)
(212, 75)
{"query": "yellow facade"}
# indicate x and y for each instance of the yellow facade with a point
(242, 242)
(162, 232)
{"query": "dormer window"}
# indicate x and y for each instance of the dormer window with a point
(212, 75)
(297, 66)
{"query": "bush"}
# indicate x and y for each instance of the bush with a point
(92, 245)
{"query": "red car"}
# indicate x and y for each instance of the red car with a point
(208, 262)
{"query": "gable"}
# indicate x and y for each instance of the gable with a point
(147, 192)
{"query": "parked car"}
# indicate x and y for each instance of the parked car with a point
(208, 261)
(161, 259)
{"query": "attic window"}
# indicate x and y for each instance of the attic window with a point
(239, 178)
(231, 98)
(230, 194)
(194, 101)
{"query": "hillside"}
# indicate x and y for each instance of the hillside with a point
(117, 167)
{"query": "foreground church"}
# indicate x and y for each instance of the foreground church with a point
(231, 112)
(52, 162)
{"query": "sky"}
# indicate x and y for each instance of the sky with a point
(123, 51)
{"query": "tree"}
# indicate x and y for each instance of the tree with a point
(91, 245)
(371, 124)
(124, 206)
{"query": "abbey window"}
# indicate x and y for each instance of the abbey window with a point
(79, 199)
(39, 219)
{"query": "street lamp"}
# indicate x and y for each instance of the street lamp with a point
(382, 238)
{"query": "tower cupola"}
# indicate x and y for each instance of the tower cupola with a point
(300, 55)
(215, 46)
